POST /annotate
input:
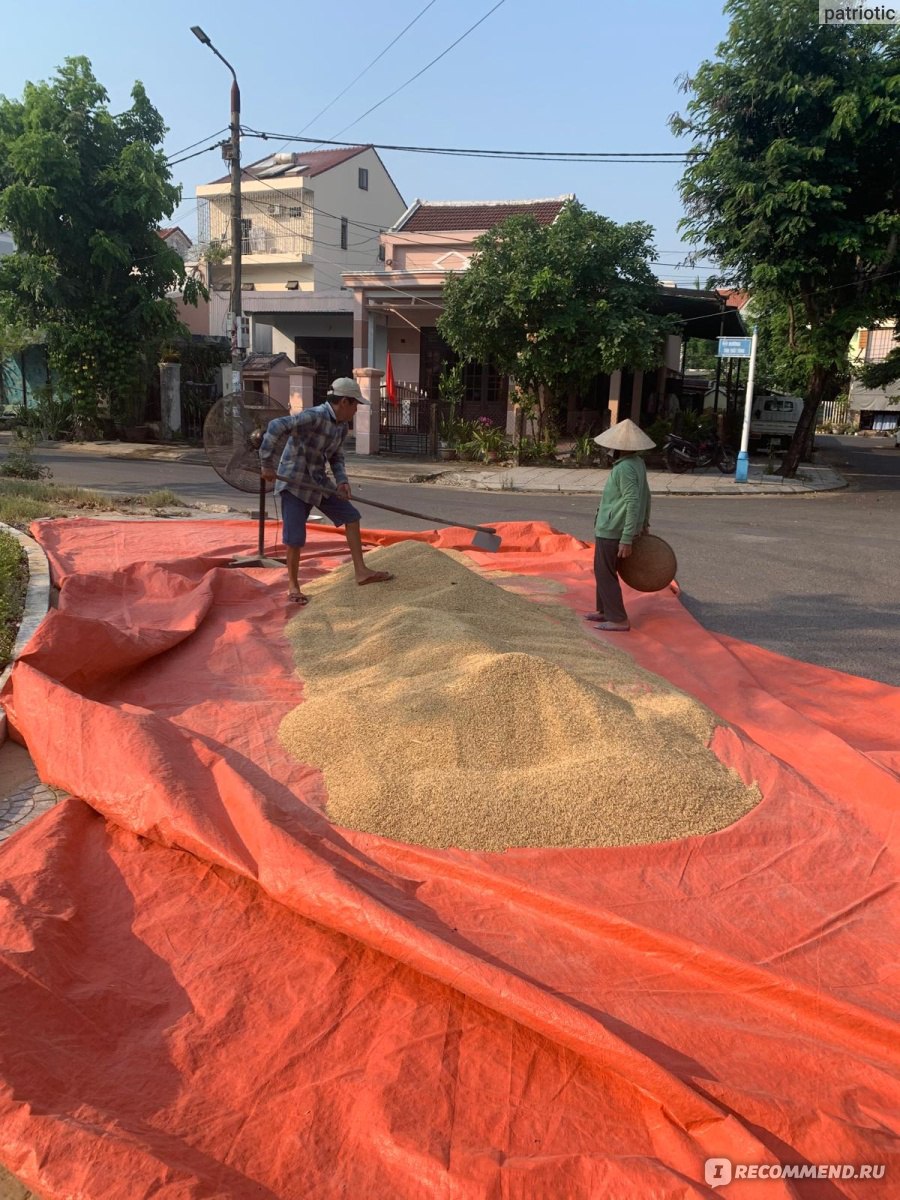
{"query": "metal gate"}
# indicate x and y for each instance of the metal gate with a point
(406, 422)
(196, 401)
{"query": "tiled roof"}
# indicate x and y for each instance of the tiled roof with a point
(427, 217)
(313, 163)
(260, 363)
(167, 230)
(733, 297)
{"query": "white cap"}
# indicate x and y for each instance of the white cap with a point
(349, 388)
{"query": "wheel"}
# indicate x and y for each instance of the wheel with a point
(727, 460)
(676, 463)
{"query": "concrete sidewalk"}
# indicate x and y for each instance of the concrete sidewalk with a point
(561, 480)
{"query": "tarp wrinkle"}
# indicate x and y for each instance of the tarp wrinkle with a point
(209, 990)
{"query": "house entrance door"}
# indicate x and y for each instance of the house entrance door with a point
(332, 358)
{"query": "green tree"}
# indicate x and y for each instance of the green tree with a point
(794, 184)
(555, 305)
(83, 190)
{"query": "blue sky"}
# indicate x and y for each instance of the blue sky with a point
(571, 75)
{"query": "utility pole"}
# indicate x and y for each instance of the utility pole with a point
(231, 152)
(743, 459)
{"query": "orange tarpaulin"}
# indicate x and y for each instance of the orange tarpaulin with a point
(209, 990)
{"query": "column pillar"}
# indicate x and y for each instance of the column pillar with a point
(367, 423)
(302, 383)
(169, 399)
(615, 394)
(360, 331)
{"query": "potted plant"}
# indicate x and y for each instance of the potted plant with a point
(487, 439)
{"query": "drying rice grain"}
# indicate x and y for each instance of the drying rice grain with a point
(446, 711)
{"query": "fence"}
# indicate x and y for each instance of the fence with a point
(406, 422)
(833, 412)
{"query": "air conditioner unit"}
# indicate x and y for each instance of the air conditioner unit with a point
(274, 210)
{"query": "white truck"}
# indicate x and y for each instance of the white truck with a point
(773, 419)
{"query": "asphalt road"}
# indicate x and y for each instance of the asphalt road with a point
(814, 577)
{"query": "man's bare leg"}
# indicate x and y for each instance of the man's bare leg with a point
(292, 558)
(363, 573)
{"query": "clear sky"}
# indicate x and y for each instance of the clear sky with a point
(568, 74)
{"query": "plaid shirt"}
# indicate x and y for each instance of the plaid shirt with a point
(315, 438)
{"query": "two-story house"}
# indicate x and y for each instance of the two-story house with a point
(307, 218)
(877, 409)
(399, 301)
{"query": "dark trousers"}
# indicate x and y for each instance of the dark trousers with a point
(609, 591)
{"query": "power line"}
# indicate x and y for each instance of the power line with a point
(367, 68)
(216, 133)
(412, 78)
(205, 150)
(662, 156)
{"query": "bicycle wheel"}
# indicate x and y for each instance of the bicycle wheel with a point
(727, 460)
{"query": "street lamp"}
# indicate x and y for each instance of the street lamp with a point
(231, 152)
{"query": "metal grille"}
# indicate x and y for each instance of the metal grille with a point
(274, 222)
(405, 422)
(196, 401)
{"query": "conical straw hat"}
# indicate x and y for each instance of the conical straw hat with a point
(651, 566)
(625, 436)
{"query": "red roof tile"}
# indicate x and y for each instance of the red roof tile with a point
(733, 297)
(312, 163)
(431, 217)
(166, 231)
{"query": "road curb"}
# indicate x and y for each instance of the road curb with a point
(37, 604)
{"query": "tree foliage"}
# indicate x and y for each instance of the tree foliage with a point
(83, 190)
(794, 185)
(555, 305)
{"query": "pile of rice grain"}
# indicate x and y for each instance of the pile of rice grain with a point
(446, 711)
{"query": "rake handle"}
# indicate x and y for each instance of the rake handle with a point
(405, 512)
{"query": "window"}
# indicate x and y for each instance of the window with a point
(246, 226)
(344, 227)
(879, 344)
(295, 211)
(364, 178)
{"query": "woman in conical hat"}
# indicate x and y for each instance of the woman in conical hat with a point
(623, 515)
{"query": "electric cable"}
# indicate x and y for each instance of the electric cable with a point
(418, 74)
(216, 133)
(599, 156)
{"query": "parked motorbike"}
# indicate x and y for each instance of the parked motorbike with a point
(683, 454)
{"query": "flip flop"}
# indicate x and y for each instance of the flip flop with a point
(298, 598)
(610, 628)
(378, 577)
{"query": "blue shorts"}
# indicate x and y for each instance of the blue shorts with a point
(295, 513)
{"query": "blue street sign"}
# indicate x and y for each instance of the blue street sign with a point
(733, 347)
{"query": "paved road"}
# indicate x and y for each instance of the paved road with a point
(815, 577)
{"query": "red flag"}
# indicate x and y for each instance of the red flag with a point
(389, 385)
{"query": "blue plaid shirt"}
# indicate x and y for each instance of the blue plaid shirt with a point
(315, 438)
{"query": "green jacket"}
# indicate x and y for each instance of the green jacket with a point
(625, 504)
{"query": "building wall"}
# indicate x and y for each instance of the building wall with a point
(302, 239)
(338, 193)
(874, 345)
(287, 326)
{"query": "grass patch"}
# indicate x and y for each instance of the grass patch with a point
(24, 500)
(13, 584)
(159, 499)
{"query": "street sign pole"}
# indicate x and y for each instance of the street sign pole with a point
(743, 459)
